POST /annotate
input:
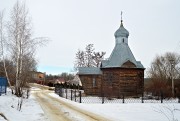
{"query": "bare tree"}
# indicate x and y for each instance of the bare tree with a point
(19, 35)
(98, 57)
(21, 45)
(89, 55)
(161, 71)
(88, 58)
(80, 59)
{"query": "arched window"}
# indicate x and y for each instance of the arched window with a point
(123, 40)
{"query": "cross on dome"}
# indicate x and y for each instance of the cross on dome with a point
(121, 17)
(121, 32)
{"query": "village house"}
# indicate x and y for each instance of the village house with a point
(119, 74)
(38, 77)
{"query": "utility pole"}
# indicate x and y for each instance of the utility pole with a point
(172, 75)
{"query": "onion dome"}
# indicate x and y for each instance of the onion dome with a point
(121, 32)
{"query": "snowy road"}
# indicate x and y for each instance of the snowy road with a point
(58, 110)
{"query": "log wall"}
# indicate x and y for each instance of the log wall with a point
(114, 82)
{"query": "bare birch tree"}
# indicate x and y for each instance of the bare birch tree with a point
(21, 45)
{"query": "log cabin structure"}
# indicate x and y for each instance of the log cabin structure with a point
(119, 74)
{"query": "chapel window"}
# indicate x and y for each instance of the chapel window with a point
(94, 82)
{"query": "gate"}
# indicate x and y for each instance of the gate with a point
(3, 85)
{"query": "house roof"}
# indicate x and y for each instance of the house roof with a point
(60, 80)
(89, 70)
(76, 81)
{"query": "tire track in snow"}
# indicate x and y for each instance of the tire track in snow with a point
(58, 110)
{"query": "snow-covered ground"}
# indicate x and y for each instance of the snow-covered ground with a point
(31, 110)
(132, 111)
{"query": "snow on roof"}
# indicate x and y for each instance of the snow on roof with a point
(76, 81)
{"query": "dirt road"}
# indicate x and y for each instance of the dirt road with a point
(58, 110)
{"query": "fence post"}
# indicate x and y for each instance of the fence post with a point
(55, 90)
(178, 99)
(161, 97)
(143, 97)
(118, 94)
(79, 96)
(123, 98)
(62, 92)
(66, 93)
(71, 94)
(5, 89)
(102, 98)
(75, 95)
(59, 92)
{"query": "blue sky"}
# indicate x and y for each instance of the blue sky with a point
(154, 27)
